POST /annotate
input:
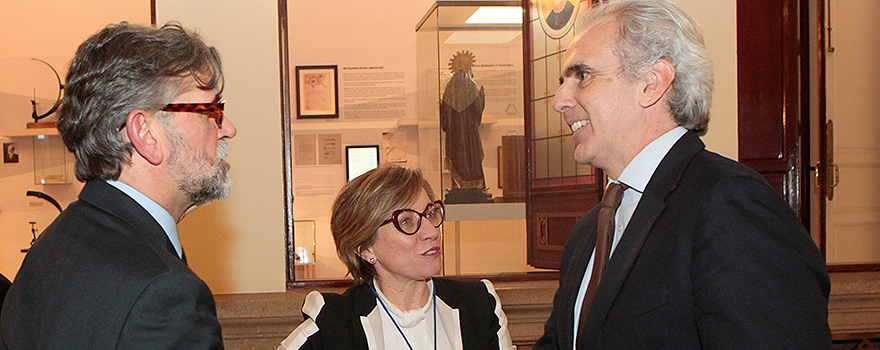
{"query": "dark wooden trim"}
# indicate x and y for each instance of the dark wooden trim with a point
(822, 176)
(318, 284)
(511, 277)
(853, 268)
(528, 117)
(769, 105)
(804, 134)
(284, 64)
(855, 336)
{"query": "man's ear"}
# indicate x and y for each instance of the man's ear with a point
(657, 82)
(142, 130)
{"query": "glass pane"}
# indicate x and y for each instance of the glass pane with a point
(50, 160)
(540, 86)
(554, 156)
(553, 73)
(584, 169)
(541, 159)
(539, 41)
(565, 41)
(541, 118)
(569, 166)
(564, 129)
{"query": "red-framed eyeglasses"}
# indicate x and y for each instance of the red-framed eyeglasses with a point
(408, 221)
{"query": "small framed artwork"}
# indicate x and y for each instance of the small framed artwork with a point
(10, 152)
(317, 94)
(360, 159)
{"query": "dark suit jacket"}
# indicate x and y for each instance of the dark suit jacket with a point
(104, 275)
(712, 258)
(4, 287)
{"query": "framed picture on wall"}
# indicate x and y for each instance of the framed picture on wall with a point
(360, 159)
(317, 92)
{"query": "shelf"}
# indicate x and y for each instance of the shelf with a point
(28, 132)
(485, 211)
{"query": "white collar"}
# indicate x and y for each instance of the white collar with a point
(640, 170)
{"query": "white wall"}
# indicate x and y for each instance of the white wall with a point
(237, 245)
(49, 30)
(718, 21)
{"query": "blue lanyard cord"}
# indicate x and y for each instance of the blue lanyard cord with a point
(434, 290)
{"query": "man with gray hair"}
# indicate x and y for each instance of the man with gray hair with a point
(143, 115)
(689, 250)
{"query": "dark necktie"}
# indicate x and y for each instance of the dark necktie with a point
(604, 237)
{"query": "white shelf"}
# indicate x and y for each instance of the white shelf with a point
(486, 211)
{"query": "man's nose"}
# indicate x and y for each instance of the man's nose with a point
(227, 129)
(564, 98)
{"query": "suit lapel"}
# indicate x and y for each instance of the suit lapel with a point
(652, 204)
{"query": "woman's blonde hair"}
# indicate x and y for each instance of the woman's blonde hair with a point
(363, 204)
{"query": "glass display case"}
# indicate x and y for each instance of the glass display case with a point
(304, 251)
(50, 160)
(470, 65)
(471, 131)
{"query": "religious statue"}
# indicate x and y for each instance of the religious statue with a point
(461, 112)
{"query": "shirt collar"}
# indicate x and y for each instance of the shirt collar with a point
(639, 171)
(156, 211)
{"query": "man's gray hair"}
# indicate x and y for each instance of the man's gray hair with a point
(649, 30)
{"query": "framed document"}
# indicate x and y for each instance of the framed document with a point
(360, 159)
(317, 92)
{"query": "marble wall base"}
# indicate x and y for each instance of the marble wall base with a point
(260, 321)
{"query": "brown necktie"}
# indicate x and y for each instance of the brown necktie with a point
(604, 237)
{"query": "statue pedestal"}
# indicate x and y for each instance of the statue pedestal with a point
(466, 195)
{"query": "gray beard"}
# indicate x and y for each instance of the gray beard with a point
(202, 181)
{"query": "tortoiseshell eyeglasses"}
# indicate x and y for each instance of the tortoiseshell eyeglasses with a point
(213, 110)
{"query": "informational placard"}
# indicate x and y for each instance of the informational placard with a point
(394, 147)
(330, 149)
(360, 159)
(305, 147)
(316, 180)
(503, 88)
(373, 92)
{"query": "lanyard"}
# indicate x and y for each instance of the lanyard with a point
(434, 290)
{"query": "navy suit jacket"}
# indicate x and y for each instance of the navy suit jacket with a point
(104, 275)
(712, 258)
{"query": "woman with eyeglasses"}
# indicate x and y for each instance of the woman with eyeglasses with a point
(386, 225)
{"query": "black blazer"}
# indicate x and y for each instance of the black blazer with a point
(4, 287)
(104, 275)
(712, 258)
(339, 325)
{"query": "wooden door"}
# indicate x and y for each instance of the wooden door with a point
(852, 101)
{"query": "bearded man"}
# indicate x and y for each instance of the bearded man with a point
(143, 114)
